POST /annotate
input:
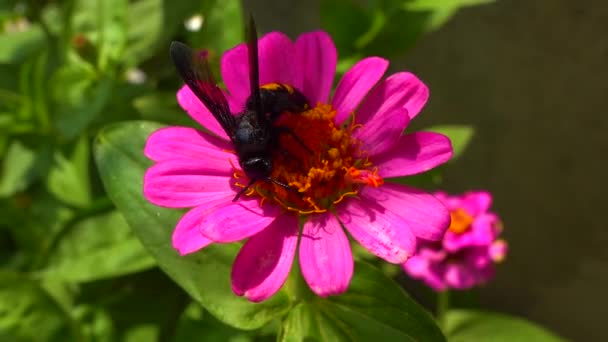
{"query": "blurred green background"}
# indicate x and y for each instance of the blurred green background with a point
(528, 77)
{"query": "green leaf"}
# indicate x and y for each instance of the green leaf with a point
(222, 29)
(460, 135)
(96, 248)
(472, 325)
(162, 107)
(197, 325)
(21, 167)
(68, 179)
(15, 47)
(104, 24)
(151, 23)
(28, 313)
(80, 95)
(345, 20)
(440, 10)
(204, 275)
(373, 308)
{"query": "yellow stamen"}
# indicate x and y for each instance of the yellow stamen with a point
(461, 221)
(323, 168)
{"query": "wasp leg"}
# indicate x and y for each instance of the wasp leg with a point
(268, 179)
(243, 190)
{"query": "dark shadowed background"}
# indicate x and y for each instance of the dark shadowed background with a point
(532, 78)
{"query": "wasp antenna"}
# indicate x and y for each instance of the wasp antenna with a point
(254, 72)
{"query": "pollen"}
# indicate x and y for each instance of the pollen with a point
(321, 162)
(461, 221)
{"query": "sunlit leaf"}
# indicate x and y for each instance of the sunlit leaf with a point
(471, 325)
(460, 136)
(440, 11)
(373, 308)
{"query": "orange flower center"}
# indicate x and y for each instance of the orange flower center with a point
(320, 162)
(461, 221)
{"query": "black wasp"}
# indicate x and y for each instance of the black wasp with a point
(253, 133)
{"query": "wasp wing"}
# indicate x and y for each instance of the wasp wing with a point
(254, 72)
(194, 70)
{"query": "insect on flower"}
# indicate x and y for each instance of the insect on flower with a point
(310, 165)
(252, 132)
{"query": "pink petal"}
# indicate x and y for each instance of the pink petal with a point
(184, 183)
(262, 265)
(277, 55)
(235, 72)
(187, 237)
(498, 250)
(414, 153)
(419, 267)
(382, 232)
(189, 143)
(476, 202)
(460, 277)
(426, 216)
(384, 130)
(355, 84)
(237, 220)
(195, 108)
(316, 61)
(325, 256)
(390, 93)
(276, 64)
(416, 93)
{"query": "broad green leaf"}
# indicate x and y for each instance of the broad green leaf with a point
(21, 166)
(460, 136)
(28, 313)
(68, 179)
(373, 308)
(440, 10)
(204, 275)
(96, 248)
(472, 325)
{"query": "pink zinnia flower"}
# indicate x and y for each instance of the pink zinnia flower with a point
(340, 185)
(467, 254)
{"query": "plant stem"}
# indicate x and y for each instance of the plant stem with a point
(443, 305)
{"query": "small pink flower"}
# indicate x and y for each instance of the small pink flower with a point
(341, 184)
(469, 250)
